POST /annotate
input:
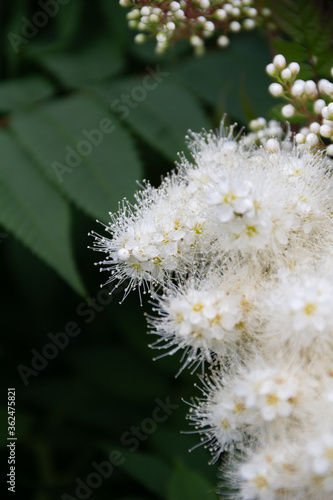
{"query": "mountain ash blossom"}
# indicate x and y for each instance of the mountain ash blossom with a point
(235, 248)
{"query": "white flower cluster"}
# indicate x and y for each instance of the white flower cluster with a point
(195, 19)
(236, 249)
(262, 132)
(308, 99)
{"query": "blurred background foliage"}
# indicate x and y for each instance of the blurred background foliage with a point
(57, 81)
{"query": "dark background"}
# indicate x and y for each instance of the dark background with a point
(57, 82)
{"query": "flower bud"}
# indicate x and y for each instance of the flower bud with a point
(329, 150)
(326, 131)
(294, 68)
(286, 74)
(276, 89)
(318, 105)
(312, 139)
(279, 61)
(271, 69)
(288, 111)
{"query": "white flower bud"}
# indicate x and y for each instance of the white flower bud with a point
(312, 139)
(180, 14)
(294, 68)
(252, 12)
(170, 26)
(286, 74)
(125, 3)
(310, 88)
(328, 122)
(145, 11)
(227, 7)
(261, 122)
(326, 131)
(196, 41)
(140, 38)
(221, 14)
(276, 89)
(288, 110)
(318, 105)
(330, 111)
(325, 87)
(305, 130)
(271, 69)
(324, 113)
(315, 127)
(133, 24)
(123, 254)
(174, 6)
(279, 61)
(235, 12)
(153, 18)
(300, 138)
(298, 88)
(209, 26)
(329, 150)
(272, 145)
(223, 41)
(248, 24)
(161, 37)
(235, 26)
(133, 14)
(204, 4)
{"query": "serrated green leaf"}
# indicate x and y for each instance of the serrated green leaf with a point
(33, 211)
(292, 51)
(96, 62)
(161, 115)
(187, 484)
(149, 471)
(305, 23)
(58, 136)
(23, 92)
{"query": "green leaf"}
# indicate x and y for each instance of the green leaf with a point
(160, 110)
(187, 484)
(33, 210)
(59, 136)
(20, 92)
(98, 61)
(149, 471)
(292, 51)
(306, 24)
(220, 78)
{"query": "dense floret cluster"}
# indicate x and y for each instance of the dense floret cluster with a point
(196, 20)
(312, 101)
(235, 248)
